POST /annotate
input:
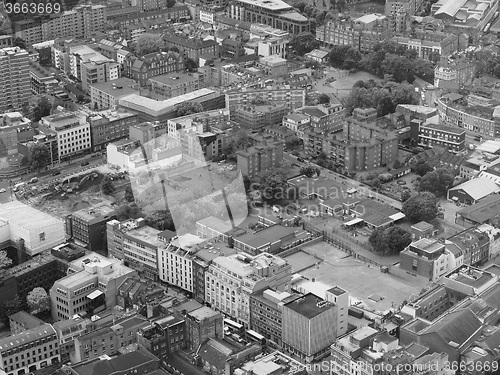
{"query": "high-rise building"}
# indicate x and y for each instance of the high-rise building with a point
(14, 78)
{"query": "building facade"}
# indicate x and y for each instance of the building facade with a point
(15, 77)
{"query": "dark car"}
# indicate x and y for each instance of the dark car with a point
(300, 159)
(56, 173)
(85, 163)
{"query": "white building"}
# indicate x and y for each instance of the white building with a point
(175, 261)
(120, 153)
(73, 133)
(296, 121)
(229, 281)
(38, 230)
(273, 46)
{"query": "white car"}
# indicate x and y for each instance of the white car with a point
(2, 190)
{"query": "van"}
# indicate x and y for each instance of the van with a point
(276, 208)
(33, 180)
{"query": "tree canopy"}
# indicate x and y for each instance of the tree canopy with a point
(310, 171)
(161, 220)
(107, 187)
(273, 183)
(128, 211)
(188, 108)
(422, 206)
(5, 261)
(39, 156)
(38, 300)
(149, 43)
(129, 194)
(42, 109)
(437, 182)
(190, 65)
(389, 241)
(304, 43)
(422, 168)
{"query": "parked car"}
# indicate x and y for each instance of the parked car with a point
(33, 180)
(2, 190)
(300, 159)
(56, 173)
(85, 163)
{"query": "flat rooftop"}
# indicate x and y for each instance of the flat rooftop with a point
(444, 128)
(118, 87)
(173, 79)
(309, 305)
(268, 4)
(428, 245)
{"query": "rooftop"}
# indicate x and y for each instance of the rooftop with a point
(28, 336)
(448, 129)
(309, 305)
(118, 87)
(173, 79)
(478, 188)
(25, 216)
(268, 4)
(482, 211)
(265, 236)
(428, 245)
(203, 313)
(99, 211)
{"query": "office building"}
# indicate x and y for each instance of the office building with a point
(230, 280)
(266, 313)
(202, 324)
(309, 327)
(43, 81)
(427, 258)
(90, 286)
(447, 137)
(15, 77)
(29, 351)
(136, 244)
(73, 133)
(275, 13)
(295, 98)
(87, 226)
(107, 95)
(163, 336)
(167, 86)
(110, 126)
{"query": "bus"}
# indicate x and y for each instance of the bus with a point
(235, 327)
(256, 337)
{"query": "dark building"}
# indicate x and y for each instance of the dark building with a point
(88, 226)
(110, 127)
(163, 336)
(202, 324)
(133, 291)
(475, 246)
(193, 48)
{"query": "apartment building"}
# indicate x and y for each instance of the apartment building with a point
(80, 22)
(275, 13)
(450, 138)
(256, 159)
(478, 119)
(15, 77)
(107, 95)
(42, 80)
(140, 69)
(362, 33)
(295, 98)
(230, 280)
(108, 340)
(254, 117)
(97, 71)
(457, 69)
(178, 13)
(474, 245)
(296, 122)
(136, 244)
(29, 351)
(171, 85)
(325, 117)
(202, 324)
(266, 313)
(308, 327)
(14, 128)
(110, 126)
(90, 286)
(67, 331)
(87, 226)
(73, 133)
(428, 42)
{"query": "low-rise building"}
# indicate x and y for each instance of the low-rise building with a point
(255, 117)
(110, 126)
(294, 97)
(474, 245)
(473, 190)
(259, 158)
(30, 350)
(163, 336)
(173, 84)
(450, 138)
(193, 48)
(140, 69)
(107, 95)
(202, 324)
(90, 286)
(22, 321)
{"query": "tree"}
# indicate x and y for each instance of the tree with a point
(128, 211)
(80, 98)
(437, 182)
(129, 194)
(38, 300)
(434, 57)
(422, 168)
(323, 98)
(273, 183)
(149, 43)
(422, 206)
(293, 142)
(171, 3)
(19, 42)
(190, 65)
(12, 306)
(309, 171)
(42, 109)
(107, 187)
(397, 164)
(188, 108)
(161, 220)
(303, 44)
(258, 100)
(39, 156)
(405, 195)
(5, 261)
(389, 241)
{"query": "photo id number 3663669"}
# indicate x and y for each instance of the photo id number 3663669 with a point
(476, 366)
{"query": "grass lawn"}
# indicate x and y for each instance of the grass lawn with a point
(343, 85)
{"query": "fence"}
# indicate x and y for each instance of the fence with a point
(297, 248)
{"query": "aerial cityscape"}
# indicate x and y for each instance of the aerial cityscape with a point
(249, 187)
